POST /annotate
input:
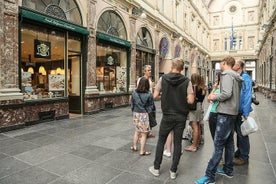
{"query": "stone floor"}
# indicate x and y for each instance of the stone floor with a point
(94, 149)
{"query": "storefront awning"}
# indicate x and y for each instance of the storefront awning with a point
(113, 39)
(54, 22)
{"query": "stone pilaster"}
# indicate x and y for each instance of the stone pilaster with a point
(91, 87)
(9, 87)
(132, 71)
(157, 56)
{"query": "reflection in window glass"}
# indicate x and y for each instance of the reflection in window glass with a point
(111, 69)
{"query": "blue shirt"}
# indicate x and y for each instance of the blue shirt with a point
(246, 95)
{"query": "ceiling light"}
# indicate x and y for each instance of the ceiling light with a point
(31, 70)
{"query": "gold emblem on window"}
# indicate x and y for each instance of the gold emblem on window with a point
(43, 50)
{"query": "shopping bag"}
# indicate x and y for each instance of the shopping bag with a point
(249, 126)
(207, 113)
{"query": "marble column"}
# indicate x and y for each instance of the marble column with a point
(9, 86)
(157, 56)
(132, 69)
(91, 87)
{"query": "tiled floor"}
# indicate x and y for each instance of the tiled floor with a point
(94, 149)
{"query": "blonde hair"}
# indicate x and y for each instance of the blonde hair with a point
(178, 64)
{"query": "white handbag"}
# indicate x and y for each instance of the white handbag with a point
(249, 126)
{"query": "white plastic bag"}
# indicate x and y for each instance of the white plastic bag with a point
(207, 113)
(249, 126)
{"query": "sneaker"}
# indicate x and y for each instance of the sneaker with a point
(153, 171)
(172, 175)
(167, 154)
(220, 171)
(204, 180)
(239, 161)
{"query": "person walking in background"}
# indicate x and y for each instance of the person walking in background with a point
(147, 74)
(227, 110)
(243, 145)
(196, 116)
(213, 114)
(177, 93)
(142, 103)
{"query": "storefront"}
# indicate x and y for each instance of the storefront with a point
(112, 64)
(52, 53)
(51, 57)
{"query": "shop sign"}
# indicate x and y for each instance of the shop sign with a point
(42, 49)
(113, 39)
(54, 22)
(109, 60)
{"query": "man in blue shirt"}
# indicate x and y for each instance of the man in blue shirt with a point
(242, 153)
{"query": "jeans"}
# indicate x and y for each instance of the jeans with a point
(213, 123)
(177, 125)
(223, 140)
(243, 144)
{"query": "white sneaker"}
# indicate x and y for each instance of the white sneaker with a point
(172, 175)
(167, 154)
(153, 171)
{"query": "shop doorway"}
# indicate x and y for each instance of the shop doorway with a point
(74, 74)
(74, 82)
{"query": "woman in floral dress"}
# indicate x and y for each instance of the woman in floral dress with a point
(141, 104)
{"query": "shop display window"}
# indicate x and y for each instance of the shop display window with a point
(42, 62)
(111, 69)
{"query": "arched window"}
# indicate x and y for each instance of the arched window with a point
(144, 38)
(111, 23)
(67, 10)
(177, 51)
(164, 47)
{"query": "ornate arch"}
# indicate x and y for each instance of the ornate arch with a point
(67, 10)
(111, 23)
(144, 38)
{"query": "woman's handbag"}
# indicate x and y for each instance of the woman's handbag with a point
(152, 115)
(249, 126)
(152, 119)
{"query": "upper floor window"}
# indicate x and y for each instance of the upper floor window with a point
(144, 38)
(67, 10)
(111, 23)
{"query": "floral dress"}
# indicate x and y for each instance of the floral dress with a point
(141, 121)
(141, 104)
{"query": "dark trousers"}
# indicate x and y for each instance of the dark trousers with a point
(243, 144)
(177, 125)
(213, 123)
(223, 140)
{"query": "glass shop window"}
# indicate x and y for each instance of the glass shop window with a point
(42, 62)
(111, 69)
